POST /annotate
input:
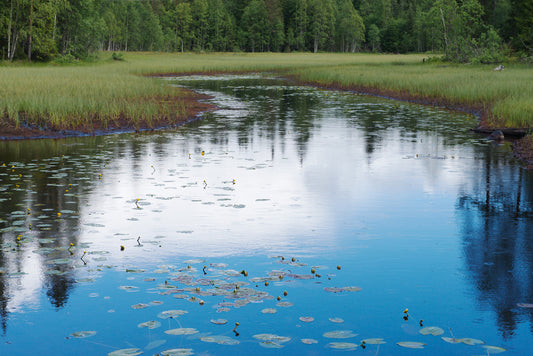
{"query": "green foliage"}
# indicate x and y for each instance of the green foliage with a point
(462, 29)
(65, 59)
(350, 26)
(117, 56)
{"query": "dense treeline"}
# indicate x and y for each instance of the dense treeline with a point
(464, 30)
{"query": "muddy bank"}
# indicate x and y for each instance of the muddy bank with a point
(175, 110)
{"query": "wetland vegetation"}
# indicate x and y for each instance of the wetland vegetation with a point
(127, 94)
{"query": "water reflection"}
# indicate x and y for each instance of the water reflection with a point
(43, 184)
(495, 209)
(279, 169)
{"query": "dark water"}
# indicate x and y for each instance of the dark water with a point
(417, 212)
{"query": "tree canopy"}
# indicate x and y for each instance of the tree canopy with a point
(462, 29)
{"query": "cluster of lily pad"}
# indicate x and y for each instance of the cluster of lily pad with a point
(223, 288)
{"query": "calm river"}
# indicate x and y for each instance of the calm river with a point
(319, 221)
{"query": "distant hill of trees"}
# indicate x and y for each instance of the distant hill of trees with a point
(464, 30)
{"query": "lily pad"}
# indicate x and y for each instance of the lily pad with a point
(194, 261)
(177, 352)
(451, 340)
(342, 345)
(83, 334)
(352, 289)
(171, 313)
(411, 344)
(219, 321)
(60, 261)
(471, 342)
(333, 289)
(284, 304)
(339, 334)
(152, 324)
(220, 339)
(125, 352)
(306, 319)
(373, 341)
(272, 337)
(433, 330)
(139, 306)
(336, 320)
(181, 331)
(309, 341)
(493, 349)
(269, 311)
(129, 288)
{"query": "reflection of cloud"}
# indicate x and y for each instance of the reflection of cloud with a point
(24, 290)
(267, 209)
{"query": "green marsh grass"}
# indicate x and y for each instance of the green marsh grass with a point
(77, 95)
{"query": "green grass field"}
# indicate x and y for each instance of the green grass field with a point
(74, 95)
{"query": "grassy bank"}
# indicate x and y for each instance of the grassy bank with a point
(111, 93)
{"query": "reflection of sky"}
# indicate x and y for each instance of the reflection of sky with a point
(377, 196)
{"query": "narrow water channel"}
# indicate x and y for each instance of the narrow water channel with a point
(314, 219)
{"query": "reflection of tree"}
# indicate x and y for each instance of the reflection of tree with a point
(274, 112)
(496, 212)
(40, 180)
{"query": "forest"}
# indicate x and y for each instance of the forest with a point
(482, 31)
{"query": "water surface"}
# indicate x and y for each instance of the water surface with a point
(103, 234)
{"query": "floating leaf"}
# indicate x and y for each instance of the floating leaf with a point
(284, 304)
(219, 321)
(471, 342)
(134, 270)
(351, 289)
(339, 334)
(60, 261)
(177, 352)
(302, 276)
(306, 319)
(268, 311)
(129, 288)
(433, 330)
(139, 306)
(451, 340)
(152, 324)
(191, 262)
(525, 305)
(373, 341)
(171, 313)
(333, 289)
(220, 339)
(336, 320)
(342, 345)
(218, 265)
(309, 341)
(272, 337)
(83, 334)
(411, 344)
(125, 352)
(181, 331)
(270, 345)
(493, 349)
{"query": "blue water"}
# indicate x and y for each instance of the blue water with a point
(417, 211)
